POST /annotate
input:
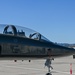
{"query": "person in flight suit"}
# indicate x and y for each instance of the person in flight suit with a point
(48, 62)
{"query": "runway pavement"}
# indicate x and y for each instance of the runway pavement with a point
(61, 66)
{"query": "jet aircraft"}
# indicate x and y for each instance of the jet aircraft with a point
(21, 42)
(18, 42)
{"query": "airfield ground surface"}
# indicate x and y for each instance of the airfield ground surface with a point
(61, 66)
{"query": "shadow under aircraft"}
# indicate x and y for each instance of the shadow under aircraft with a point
(21, 42)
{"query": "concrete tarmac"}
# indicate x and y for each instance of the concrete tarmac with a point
(61, 66)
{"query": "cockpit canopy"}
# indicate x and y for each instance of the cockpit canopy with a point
(21, 32)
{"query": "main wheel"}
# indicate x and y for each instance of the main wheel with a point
(48, 74)
(29, 60)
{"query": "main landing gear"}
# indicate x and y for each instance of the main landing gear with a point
(48, 74)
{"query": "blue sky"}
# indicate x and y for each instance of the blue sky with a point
(55, 19)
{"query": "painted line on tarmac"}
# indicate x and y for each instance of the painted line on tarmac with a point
(36, 69)
(63, 72)
(26, 68)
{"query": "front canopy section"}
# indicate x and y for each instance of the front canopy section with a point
(21, 32)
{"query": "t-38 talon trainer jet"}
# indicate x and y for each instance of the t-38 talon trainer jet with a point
(23, 43)
(18, 42)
